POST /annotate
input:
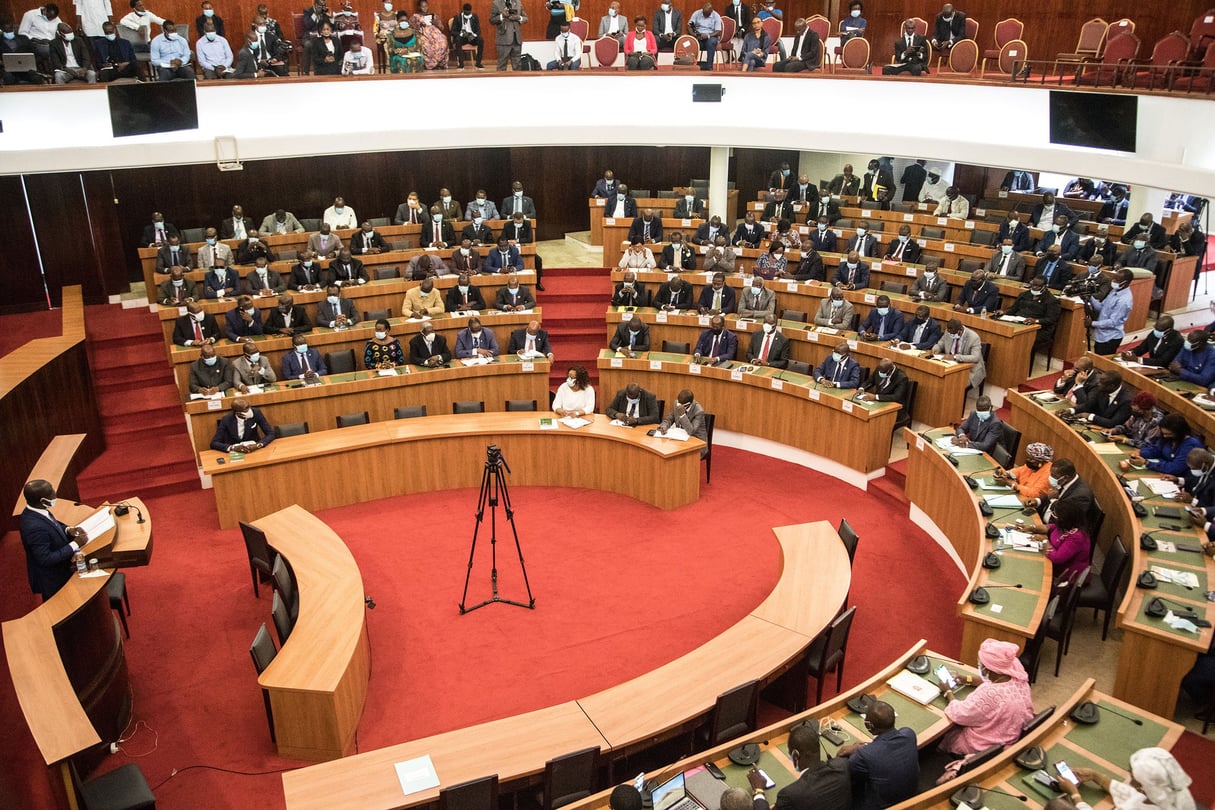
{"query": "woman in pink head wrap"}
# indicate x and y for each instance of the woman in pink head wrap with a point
(995, 711)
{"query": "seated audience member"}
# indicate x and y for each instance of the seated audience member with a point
(1092, 283)
(885, 770)
(209, 374)
(755, 47)
(1016, 230)
(720, 257)
(717, 298)
(757, 300)
(17, 42)
(949, 28)
(646, 228)
(1066, 485)
(631, 336)
(264, 281)
(978, 295)
(466, 259)
(1146, 230)
(335, 311)
(1078, 382)
(422, 301)
(1054, 269)
(71, 59)
(853, 25)
(159, 231)
(346, 270)
(613, 24)
(864, 243)
(904, 248)
(340, 215)
(954, 205)
(688, 415)
(220, 281)
(288, 318)
(1114, 210)
(852, 274)
(787, 235)
(1156, 781)
(1167, 452)
(425, 265)
(412, 212)
(934, 190)
(1070, 545)
(326, 52)
(888, 383)
(464, 296)
(749, 232)
(195, 327)
(114, 58)
(242, 321)
(251, 368)
(1061, 234)
(243, 429)
(1196, 362)
(821, 237)
(567, 50)
(820, 785)
(911, 56)
(810, 268)
(504, 259)
(637, 257)
(1037, 306)
(281, 221)
(530, 342)
(477, 232)
(177, 289)
(716, 345)
(249, 61)
(367, 241)
(883, 322)
(1007, 263)
(806, 53)
(1188, 240)
(466, 30)
(383, 351)
(514, 297)
(839, 369)
(1101, 246)
(995, 711)
(208, 16)
(633, 405)
(705, 24)
(215, 57)
(476, 340)
(689, 206)
(629, 292)
(575, 397)
(621, 205)
(171, 54)
(668, 26)
(929, 285)
(428, 348)
(707, 232)
(1109, 405)
(251, 247)
(1142, 427)
(677, 256)
(324, 243)
(303, 362)
(772, 264)
(982, 430)
(921, 331)
(835, 311)
(769, 347)
(962, 344)
(674, 295)
(307, 275)
(1032, 479)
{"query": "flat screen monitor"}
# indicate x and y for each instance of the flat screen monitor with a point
(706, 92)
(1096, 120)
(139, 109)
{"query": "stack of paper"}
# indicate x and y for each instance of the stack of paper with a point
(1161, 487)
(946, 443)
(1004, 502)
(676, 433)
(913, 686)
(1186, 579)
(574, 422)
(991, 485)
(476, 361)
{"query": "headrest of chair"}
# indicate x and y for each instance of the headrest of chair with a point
(992, 560)
(979, 596)
(1147, 581)
(745, 755)
(1086, 713)
(861, 703)
(1033, 758)
(971, 796)
(919, 665)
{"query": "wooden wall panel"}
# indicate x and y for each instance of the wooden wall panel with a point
(19, 275)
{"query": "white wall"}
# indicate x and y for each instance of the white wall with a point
(996, 125)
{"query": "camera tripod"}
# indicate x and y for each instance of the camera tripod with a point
(493, 489)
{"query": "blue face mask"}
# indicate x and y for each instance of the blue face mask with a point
(982, 416)
(10, 34)
(333, 299)
(855, 13)
(210, 361)
(837, 357)
(1158, 333)
(302, 348)
(821, 227)
(210, 240)
(883, 374)
(883, 311)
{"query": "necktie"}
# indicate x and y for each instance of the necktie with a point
(160, 234)
(198, 335)
(180, 293)
(835, 378)
(898, 252)
(949, 207)
(882, 328)
(633, 409)
(436, 233)
(307, 365)
(957, 343)
(632, 338)
(565, 46)
(852, 275)
(716, 304)
(763, 352)
(174, 252)
(713, 348)
(477, 341)
(531, 344)
(1004, 265)
(918, 335)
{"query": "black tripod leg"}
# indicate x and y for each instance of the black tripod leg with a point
(481, 499)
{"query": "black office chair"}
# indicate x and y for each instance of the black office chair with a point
(284, 583)
(1038, 719)
(370, 315)
(124, 788)
(849, 537)
(468, 406)
(282, 619)
(383, 273)
(311, 224)
(409, 412)
(827, 652)
(380, 222)
(710, 423)
(733, 715)
(932, 232)
(1059, 628)
(291, 429)
(116, 590)
(969, 266)
(569, 778)
(263, 652)
(288, 255)
(1031, 656)
(1010, 438)
(475, 794)
(973, 761)
(520, 404)
(1002, 456)
(352, 419)
(674, 347)
(798, 367)
(258, 550)
(894, 287)
(1101, 592)
(189, 235)
(793, 315)
(662, 408)
(903, 419)
(1096, 521)
(981, 237)
(340, 362)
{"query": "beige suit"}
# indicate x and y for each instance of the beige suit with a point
(419, 303)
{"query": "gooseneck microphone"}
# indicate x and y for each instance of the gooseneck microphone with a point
(979, 596)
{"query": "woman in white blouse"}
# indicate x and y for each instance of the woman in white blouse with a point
(575, 397)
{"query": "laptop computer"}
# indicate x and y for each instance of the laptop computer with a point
(19, 62)
(673, 795)
(705, 788)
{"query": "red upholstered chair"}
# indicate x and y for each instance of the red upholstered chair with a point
(972, 32)
(582, 29)
(687, 51)
(854, 56)
(607, 50)
(1005, 31)
(1123, 26)
(1011, 57)
(821, 26)
(773, 28)
(963, 58)
(921, 26)
(1202, 34)
(725, 47)
(1168, 56)
(1115, 59)
(1200, 79)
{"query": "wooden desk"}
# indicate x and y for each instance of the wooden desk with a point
(1174, 397)
(814, 579)
(937, 488)
(790, 409)
(326, 340)
(318, 681)
(1179, 282)
(71, 639)
(299, 469)
(58, 465)
(665, 206)
(941, 385)
(1153, 657)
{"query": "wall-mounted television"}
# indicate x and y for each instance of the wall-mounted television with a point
(143, 108)
(1096, 120)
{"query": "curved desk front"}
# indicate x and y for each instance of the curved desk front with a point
(789, 408)
(448, 452)
(318, 681)
(1154, 656)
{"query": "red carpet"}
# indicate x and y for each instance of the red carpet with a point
(574, 300)
(17, 330)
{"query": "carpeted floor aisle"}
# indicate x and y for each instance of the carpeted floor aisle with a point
(574, 300)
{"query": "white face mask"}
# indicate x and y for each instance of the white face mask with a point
(381, 335)
(1054, 482)
(1139, 244)
(519, 193)
(211, 36)
(70, 37)
(689, 197)
(199, 316)
(612, 12)
(447, 200)
(861, 231)
(49, 503)
(255, 357)
(388, 6)
(572, 381)
(110, 37)
(464, 251)
(768, 328)
(302, 348)
(250, 310)
(463, 288)
(261, 29)
(437, 217)
(982, 416)
(883, 311)
(245, 414)
(856, 12)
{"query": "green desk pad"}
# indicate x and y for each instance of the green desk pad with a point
(778, 772)
(1114, 738)
(975, 466)
(1175, 558)
(667, 357)
(1174, 590)
(1019, 606)
(1158, 624)
(998, 801)
(1090, 793)
(1017, 567)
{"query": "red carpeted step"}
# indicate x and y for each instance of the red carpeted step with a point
(140, 400)
(162, 421)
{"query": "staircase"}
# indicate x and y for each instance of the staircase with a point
(148, 451)
(574, 300)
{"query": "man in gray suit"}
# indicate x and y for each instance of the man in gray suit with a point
(689, 415)
(757, 301)
(281, 221)
(1006, 262)
(508, 17)
(963, 345)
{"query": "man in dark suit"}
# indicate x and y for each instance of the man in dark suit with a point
(707, 232)
(1115, 209)
(307, 274)
(749, 232)
(845, 184)
(978, 294)
(741, 13)
(243, 427)
(465, 29)
(674, 294)
(606, 186)
(335, 311)
(1062, 234)
(514, 297)
(948, 29)
(517, 230)
(220, 281)
(804, 192)
(177, 290)
(887, 384)
(1007, 263)
(252, 248)
(367, 240)
(478, 233)
(1145, 229)
(49, 548)
(518, 201)
(1044, 213)
(263, 281)
(883, 322)
(778, 207)
(863, 242)
(780, 177)
(912, 180)
(885, 770)
(852, 274)
(668, 25)
(302, 362)
(646, 228)
(982, 430)
(769, 347)
(811, 267)
(346, 270)
(159, 231)
(1092, 282)
(438, 232)
(717, 344)
(1037, 306)
(236, 226)
(716, 297)
(114, 58)
(17, 44)
(1110, 405)
(825, 785)
(877, 178)
(620, 205)
(1160, 347)
(631, 336)
(1016, 230)
(81, 67)
(504, 259)
(242, 321)
(634, 406)
(173, 254)
(465, 296)
(1018, 180)
(904, 248)
(910, 53)
(677, 256)
(630, 292)
(689, 206)
(839, 369)
(428, 348)
(529, 340)
(195, 327)
(920, 331)
(1070, 488)
(825, 210)
(1054, 269)
(1100, 246)
(806, 53)
(821, 237)
(288, 318)
(466, 259)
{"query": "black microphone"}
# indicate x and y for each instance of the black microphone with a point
(979, 596)
(1020, 796)
(1157, 611)
(128, 505)
(1134, 720)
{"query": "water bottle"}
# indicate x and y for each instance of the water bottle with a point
(983, 313)
(81, 566)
